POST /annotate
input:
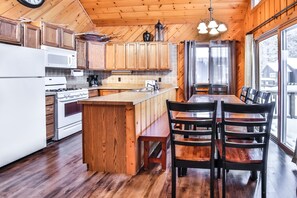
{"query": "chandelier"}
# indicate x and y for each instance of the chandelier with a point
(213, 27)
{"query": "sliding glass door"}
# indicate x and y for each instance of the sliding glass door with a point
(268, 73)
(289, 84)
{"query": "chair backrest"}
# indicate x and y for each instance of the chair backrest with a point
(251, 96)
(201, 88)
(232, 129)
(218, 89)
(244, 93)
(201, 126)
(262, 97)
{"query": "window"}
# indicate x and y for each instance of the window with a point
(255, 2)
(202, 64)
(268, 70)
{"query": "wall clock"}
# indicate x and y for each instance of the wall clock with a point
(32, 3)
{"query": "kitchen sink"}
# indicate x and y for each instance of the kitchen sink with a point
(144, 89)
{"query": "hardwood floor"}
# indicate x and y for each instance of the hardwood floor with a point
(57, 171)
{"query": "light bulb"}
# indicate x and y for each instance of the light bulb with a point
(222, 27)
(213, 31)
(201, 25)
(203, 31)
(212, 24)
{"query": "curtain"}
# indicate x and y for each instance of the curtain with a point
(189, 68)
(250, 67)
(295, 154)
(222, 57)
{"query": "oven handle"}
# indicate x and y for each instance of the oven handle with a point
(71, 100)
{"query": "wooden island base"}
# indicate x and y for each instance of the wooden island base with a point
(112, 125)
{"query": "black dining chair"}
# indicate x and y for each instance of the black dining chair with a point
(201, 88)
(238, 149)
(243, 94)
(262, 97)
(219, 89)
(192, 140)
(251, 96)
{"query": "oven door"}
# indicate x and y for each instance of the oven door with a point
(68, 113)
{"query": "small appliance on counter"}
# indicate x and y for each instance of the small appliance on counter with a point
(152, 84)
(93, 81)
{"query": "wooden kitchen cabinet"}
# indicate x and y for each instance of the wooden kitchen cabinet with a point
(153, 56)
(96, 55)
(56, 36)
(67, 39)
(105, 92)
(50, 116)
(164, 56)
(93, 93)
(90, 55)
(115, 56)
(142, 56)
(81, 49)
(50, 35)
(31, 35)
(10, 31)
(131, 56)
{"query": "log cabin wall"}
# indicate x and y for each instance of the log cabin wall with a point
(68, 13)
(266, 9)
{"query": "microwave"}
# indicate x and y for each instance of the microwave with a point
(59, 58)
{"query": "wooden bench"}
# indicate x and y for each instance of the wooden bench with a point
(156, 132)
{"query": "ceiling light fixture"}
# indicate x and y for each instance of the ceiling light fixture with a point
(214, 28)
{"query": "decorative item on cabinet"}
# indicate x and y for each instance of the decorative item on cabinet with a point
(10, 31)
(146, 36)
(159, 32)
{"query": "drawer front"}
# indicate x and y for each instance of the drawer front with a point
(108, 92)
(49, 100)
(49, 109)
(50, 131)
(49, 119)
(93, 93)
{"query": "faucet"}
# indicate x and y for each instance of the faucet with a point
(154, 86)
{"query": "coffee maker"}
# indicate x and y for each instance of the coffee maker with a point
(93, 80)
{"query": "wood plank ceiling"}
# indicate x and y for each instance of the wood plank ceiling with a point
(146, 12)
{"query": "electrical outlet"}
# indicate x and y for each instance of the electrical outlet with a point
(119, 79)
(160, 79)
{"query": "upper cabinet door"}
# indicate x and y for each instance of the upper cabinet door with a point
(67, 39)
(131, 56)
(96, 55)
(9, 31)
(31, 36)
(81, 48)
(153, 54)
(50, 35)
(120, 62)
(142, 56)
(110, 56)
(164, 57)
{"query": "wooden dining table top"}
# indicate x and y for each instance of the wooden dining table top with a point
(227, 99)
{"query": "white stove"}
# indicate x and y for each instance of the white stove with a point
(68, 114)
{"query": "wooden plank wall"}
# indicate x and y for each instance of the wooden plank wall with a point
(266, 9)
(68, 13)
(180, 32)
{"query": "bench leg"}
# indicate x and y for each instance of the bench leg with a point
(146, 154)
(164, 154)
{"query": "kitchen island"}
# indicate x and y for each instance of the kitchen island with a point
(112, 125)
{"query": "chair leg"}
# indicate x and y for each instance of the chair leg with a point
(212, 181)
(173, 182)
(224, 183)
(263, 183)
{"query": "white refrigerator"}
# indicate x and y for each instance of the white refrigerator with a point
(22, 102)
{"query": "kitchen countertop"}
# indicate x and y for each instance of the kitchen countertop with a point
(125, 98)
(117, 86)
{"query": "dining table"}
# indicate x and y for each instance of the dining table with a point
(227, 99)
